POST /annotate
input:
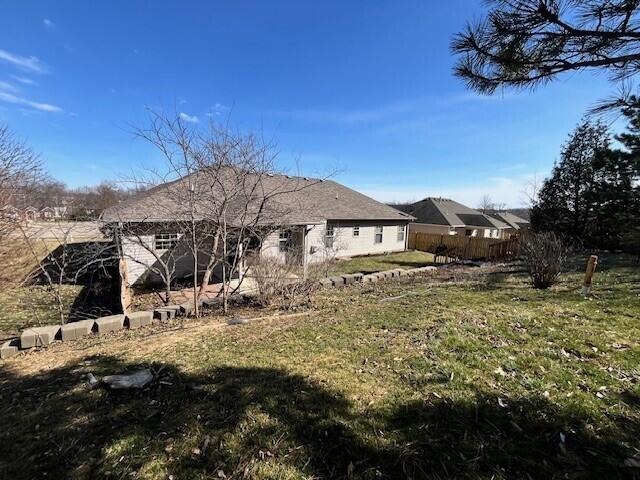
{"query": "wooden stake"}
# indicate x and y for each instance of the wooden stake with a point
(588, 274)
(125, 293)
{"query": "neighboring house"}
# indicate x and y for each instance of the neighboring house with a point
(516, 224)
(446, 217)
(47, 213)
(311, 221)
(30, 214)
(11, 213)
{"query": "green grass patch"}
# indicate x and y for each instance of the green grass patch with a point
(483, 377)
(377, 263)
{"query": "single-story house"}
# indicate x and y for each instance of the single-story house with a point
(444, 216)
(517, 224)
(303, 221)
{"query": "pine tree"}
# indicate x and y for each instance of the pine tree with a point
(566, 201)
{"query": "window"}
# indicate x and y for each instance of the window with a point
(401, 233)
(378, 234)
(356, 231)
(329, 236)
(283, 240)
(165, 241)
(487, 233)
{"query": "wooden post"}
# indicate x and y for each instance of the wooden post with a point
(588, 274)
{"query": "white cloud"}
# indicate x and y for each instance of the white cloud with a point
(10, 94)
(48, 24)
(188, 118)
(32, 64)
(24, 80)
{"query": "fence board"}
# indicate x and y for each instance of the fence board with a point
(464, 248)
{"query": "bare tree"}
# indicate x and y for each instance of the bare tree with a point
(223, 196)
(523, 43)
(20, 168)
(486, 204)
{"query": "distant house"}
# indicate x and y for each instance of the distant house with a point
(516, 224)
(47, 213)
(316, 218)
(446, 217)
(30, 214)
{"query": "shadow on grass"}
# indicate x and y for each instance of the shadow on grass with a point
(258, 423)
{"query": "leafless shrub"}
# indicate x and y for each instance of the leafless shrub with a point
(545, 254)
(281, 284)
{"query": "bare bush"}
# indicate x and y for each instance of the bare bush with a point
(545, 254)
(281, 284)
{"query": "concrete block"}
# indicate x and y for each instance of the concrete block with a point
(186, 308)
(173, 308)
(170, 312)
(358, 276)
(10, 349)
(38, 336)
(109, 324)
(337, 281)
(349, 279)
(74, 330)
(399, 272)
(325, 282)
(371, 278)
(385, 274)
(162, 315)
(139, 319)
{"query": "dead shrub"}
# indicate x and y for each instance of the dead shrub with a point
(282, 284)
(545, 254)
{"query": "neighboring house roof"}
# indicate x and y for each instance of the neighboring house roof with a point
(444, 211)
(290, 200)
(511, 219)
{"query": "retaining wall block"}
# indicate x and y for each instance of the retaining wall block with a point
(162, 315)
(10, 348)
(139, 319)
(371, 278)
(186, 308)
(74, 330)
(325, 282)
(348, 278)
(358, 276)
(38, 336)
(337, 281)
(109, 324)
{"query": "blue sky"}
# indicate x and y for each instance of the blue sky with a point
(364, 87)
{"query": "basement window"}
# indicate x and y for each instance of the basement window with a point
(401, 233)
(356, 231)
(165, 241)
(378, 234)
(329, 237)
(283, 240)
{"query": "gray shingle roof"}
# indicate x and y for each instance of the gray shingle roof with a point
(291, 200)
(444, 211)
(511, 219)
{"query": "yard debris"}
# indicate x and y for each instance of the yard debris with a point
(237, 320)
(139, 379)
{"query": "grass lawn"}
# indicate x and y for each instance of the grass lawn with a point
(478, 376)
(22, 307)
(376, 263)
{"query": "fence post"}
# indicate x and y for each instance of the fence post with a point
(588, 274)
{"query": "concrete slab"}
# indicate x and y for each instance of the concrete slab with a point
(139, 319)
(38, 336)
(109, 324)
(75, 330)
(10, 349)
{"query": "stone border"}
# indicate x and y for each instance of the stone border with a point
(351, 278)
(41, 336)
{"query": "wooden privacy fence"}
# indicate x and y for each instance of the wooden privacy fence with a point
(464, 248)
